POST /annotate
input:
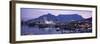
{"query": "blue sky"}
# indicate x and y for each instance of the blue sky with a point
(31, 13)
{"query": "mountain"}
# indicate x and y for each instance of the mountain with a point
(48, 17)
(69, 18)
(60, 18)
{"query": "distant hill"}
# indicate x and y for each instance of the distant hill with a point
(89, 19)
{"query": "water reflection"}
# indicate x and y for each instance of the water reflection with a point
(26, 30)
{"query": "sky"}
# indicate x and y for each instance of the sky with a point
(31, 13)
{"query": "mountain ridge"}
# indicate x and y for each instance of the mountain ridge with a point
(59, 18)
